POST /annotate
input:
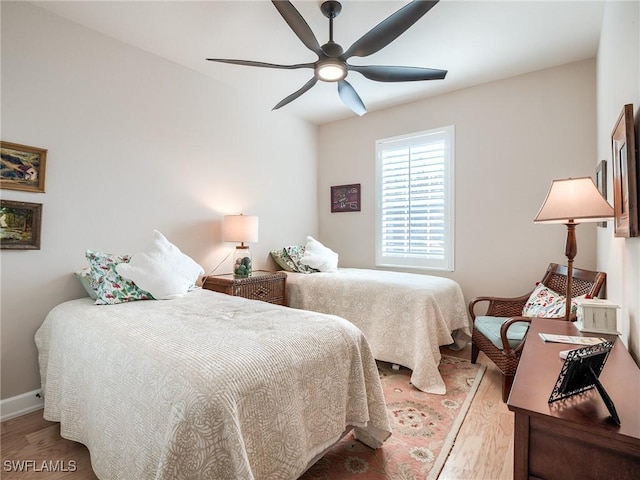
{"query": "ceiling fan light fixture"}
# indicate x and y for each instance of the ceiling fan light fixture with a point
(331, 70)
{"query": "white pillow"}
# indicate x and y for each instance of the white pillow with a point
(319, 257)
(162, 269)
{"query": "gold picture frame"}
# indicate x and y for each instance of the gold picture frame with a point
(625, 180)
(23, 167)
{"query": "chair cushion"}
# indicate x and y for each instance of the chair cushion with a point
(490, 328)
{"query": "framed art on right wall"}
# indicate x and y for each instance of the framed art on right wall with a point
(601, 183)
(625, 180)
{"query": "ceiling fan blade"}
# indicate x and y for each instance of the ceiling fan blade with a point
(250, 63)
(298, 24)
(350, 98)
(389, 29)
(307, 86)
(384, 73)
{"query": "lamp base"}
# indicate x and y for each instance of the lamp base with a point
(242, 262)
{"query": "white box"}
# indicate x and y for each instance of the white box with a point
(597, 316)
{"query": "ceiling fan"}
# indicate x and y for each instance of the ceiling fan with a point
(332, 65)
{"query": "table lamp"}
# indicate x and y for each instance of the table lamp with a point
(572, 201)
(241, 228)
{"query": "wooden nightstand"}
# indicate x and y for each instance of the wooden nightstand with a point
(261, 285)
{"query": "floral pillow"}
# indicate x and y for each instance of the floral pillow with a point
(283, 260)
(295, 254)
(544, 302)
(109, 286)
(86, 280)
(289, 259)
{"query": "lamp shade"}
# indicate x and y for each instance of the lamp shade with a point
(240, 228)
(574, 200)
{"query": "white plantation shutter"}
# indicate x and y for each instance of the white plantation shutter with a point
(414, 200)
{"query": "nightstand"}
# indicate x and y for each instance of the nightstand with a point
(261, 285)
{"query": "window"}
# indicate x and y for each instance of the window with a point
(414, 187)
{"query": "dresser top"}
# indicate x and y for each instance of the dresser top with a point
(540, 366)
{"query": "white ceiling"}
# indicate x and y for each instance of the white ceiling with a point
(476, 41)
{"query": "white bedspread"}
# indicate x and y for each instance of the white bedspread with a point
(405, 317)
(206, 386)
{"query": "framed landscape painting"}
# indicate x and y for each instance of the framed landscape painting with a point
(20, 224)
(22, 167)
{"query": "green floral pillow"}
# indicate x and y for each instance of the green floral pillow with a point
(86, 280)
(289, 259)
(109, 286)
(295, 253)
(282, 259)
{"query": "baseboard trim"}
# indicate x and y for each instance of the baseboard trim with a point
(21, 404)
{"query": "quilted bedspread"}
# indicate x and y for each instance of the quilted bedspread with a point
(207, 386)
(405, 317)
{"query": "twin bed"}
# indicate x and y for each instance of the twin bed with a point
(207, 386)
(215, 386)
(405, 317)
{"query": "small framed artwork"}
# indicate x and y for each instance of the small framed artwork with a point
(625, 180)
(22, 167)
(601, 183)
(20, 225)
(345, 198)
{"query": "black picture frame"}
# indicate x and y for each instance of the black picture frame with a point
(580, 373)
(345, 198)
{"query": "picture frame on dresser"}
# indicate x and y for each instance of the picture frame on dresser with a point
(580, 373)
(23, 167)
(20, 224)
(625, 171)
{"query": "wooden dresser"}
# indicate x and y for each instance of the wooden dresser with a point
(573, 438)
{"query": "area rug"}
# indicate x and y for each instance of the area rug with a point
(424, 428)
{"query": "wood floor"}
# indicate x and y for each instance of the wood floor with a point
(483, 449)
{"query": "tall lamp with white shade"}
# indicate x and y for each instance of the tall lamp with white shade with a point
(241, 228)
(572, 201)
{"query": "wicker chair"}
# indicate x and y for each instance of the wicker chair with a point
(507, 357)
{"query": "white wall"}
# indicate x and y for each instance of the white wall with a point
(513, 137)
(619, 84)
(134, 143)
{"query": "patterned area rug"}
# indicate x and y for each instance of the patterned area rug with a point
(424, 428)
